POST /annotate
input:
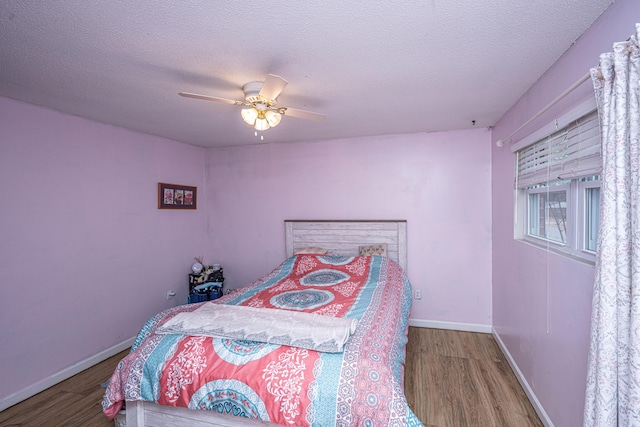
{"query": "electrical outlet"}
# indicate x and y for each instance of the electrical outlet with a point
(170, 294)
(418, 294)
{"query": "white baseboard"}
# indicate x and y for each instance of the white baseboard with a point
(544, 417)
(62, 375)
(436, 324)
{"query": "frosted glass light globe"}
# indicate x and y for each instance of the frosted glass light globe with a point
(197, 268)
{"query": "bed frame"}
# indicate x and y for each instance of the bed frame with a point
(345, 236)
(341, 237)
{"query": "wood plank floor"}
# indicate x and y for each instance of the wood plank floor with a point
(74, 402)
(452, 379)
(456, 379)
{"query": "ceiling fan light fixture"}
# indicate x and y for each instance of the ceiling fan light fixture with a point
(273, 118)
(261, 124)
(259, 108)
(249, 115)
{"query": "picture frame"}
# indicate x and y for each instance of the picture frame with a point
(173, 196)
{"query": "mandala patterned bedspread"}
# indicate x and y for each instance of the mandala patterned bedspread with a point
(290, 386)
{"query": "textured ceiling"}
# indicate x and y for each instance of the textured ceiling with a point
(372, 67)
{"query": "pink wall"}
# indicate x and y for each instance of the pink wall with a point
(438, 182)
(542, 301)
(86, 256)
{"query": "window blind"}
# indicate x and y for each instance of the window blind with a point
(571, 152)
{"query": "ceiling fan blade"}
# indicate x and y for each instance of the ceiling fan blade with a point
(302, 114)
(273, 86)
(210, 98)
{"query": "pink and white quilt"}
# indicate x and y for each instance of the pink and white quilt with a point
(286, 385)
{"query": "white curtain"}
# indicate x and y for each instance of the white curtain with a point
(613, 379)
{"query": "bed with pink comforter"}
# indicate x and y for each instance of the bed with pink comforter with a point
(358, 385)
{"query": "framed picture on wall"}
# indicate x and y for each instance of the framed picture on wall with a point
(172, 196)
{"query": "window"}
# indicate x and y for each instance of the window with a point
(547, 211)
(590, 191)
(558, 186)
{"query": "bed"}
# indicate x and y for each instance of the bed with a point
(241, 380)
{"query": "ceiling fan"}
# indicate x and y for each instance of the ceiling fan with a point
(260, 104)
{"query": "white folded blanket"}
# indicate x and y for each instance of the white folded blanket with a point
(286, 327)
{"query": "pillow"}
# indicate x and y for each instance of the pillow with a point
(311, 250)
(379, 249)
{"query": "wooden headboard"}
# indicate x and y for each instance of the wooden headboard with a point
(343, 237)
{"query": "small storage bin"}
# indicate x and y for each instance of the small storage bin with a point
(195, 298)
(206, 286)
(205, 292)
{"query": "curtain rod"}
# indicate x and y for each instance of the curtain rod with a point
(583, 79)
